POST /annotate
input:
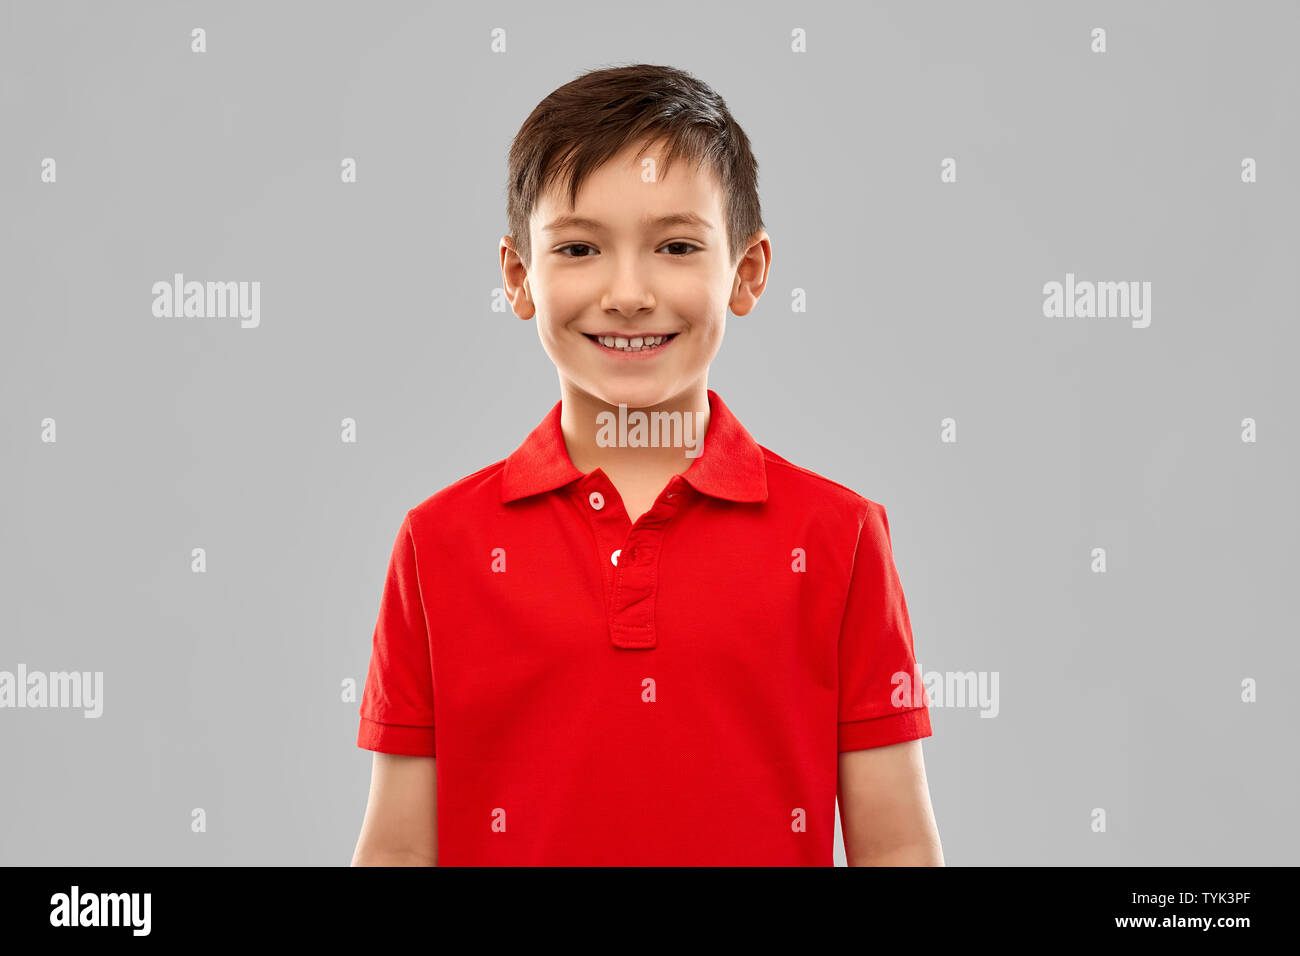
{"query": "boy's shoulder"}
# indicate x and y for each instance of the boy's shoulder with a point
(478, 487)
(813, 486)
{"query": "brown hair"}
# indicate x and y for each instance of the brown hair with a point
(587, 121)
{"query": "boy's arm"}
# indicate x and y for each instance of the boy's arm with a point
(400, 827)
(885, 808)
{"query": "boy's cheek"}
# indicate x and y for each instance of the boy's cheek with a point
(564, 299)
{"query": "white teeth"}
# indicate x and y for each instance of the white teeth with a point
(636, 344)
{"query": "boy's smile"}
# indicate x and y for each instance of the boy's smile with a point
(619, 344)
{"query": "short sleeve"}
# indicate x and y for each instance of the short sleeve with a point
(881, 693)
(397, 703)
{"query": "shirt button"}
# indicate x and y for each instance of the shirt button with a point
(614, 557)
(597, 500)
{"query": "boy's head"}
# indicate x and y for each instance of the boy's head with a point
(589, 178)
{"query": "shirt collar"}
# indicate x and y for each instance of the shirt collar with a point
(730, 464)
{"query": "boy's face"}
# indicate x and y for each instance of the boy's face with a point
(623, 273)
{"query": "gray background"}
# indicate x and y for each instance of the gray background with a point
(222, 690)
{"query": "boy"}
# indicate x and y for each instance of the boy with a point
(621, 645)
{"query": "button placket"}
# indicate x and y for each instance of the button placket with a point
(592, 497)
(632, 552)
(636, 578)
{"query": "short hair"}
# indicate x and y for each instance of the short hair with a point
(587, 121)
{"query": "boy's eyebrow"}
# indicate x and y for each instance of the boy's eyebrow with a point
(672, 219)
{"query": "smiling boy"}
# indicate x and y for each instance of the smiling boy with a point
(632, 652)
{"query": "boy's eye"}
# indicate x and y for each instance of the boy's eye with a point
(688, 246)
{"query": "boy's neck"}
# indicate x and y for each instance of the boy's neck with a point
(579, 423)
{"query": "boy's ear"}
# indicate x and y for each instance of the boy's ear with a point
(514, 279)
(751, 274)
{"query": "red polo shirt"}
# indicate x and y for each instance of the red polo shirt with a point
(670, 692)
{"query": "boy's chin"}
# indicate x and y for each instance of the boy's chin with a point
(633, 396)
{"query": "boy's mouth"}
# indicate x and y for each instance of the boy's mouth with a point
(632, 345)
